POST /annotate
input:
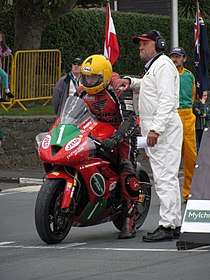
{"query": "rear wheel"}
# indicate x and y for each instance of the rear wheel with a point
(52, 223)
(143, 203)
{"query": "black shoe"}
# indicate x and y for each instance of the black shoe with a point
(176, 232)
(3, 100)
(9, 94)
(160, 234)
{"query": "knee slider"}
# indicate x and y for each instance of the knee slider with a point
(132, 184)
(130, 187)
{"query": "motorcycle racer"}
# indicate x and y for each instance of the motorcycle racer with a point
(116, 108)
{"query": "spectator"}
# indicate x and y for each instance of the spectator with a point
(186, 98)
(115, 108)
(1, 136)
(67, 85)
(202, 112)
(161, 124)
(4, 51)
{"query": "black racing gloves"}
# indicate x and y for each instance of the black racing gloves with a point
(111, 142)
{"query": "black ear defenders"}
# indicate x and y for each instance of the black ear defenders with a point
(160, 42)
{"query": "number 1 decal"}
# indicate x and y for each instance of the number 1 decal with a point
(60, 134)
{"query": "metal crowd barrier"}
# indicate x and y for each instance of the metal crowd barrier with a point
(34, 74)
(7, 66)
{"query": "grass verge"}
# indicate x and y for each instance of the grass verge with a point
(34, 108)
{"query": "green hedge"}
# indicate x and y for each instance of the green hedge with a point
(81, 33)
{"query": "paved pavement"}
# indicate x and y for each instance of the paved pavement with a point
(22, 175)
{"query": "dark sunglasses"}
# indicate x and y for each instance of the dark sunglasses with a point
(76, 63)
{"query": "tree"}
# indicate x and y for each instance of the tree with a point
(32, 16)
(89, 3)
(187, 8)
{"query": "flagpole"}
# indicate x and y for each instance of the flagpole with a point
(106, 43)
(115, 5)
(198, 25)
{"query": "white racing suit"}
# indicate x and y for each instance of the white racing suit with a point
(158, 103)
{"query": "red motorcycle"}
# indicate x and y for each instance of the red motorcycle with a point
(81, 186)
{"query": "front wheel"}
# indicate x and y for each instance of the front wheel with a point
(52, 223)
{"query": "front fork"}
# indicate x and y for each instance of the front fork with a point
(69, 189)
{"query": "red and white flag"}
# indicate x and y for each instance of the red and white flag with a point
(111, 48)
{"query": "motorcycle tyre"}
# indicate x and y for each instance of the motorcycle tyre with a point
(140, 215)
(47, 207)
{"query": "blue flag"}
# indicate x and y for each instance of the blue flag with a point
(202, 57)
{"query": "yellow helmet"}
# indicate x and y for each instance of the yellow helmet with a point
(96, 73)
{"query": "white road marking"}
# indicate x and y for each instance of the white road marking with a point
(7, 242)
(40, 247)
(27, 189)
(75, 246)
(140, 249)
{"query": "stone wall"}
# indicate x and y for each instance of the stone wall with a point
(18, 149)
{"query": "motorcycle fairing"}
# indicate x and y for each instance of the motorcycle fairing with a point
(63, 133)
(90, 171)
(58, 175)
(74, 151)
(103, 131)
(94, 213)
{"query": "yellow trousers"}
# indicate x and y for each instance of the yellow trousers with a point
(188, 148)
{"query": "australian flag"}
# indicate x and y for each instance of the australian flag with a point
(202, 56)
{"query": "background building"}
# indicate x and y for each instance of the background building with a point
(158, 7)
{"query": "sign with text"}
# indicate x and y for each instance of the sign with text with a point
(197, 216)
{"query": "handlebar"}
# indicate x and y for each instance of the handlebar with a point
(96, 141)
(109, 155)
(99, 143)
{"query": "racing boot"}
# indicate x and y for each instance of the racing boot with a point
(128, 229)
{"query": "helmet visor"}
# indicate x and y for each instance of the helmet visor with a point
(91, 80)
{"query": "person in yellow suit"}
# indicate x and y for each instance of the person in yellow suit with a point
(186, 99)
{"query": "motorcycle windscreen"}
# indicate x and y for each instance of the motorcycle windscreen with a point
(75, 111)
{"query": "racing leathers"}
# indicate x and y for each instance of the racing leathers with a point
(117, 109)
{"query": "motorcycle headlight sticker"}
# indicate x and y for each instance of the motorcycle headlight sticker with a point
(72, 144)
(46, 142)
